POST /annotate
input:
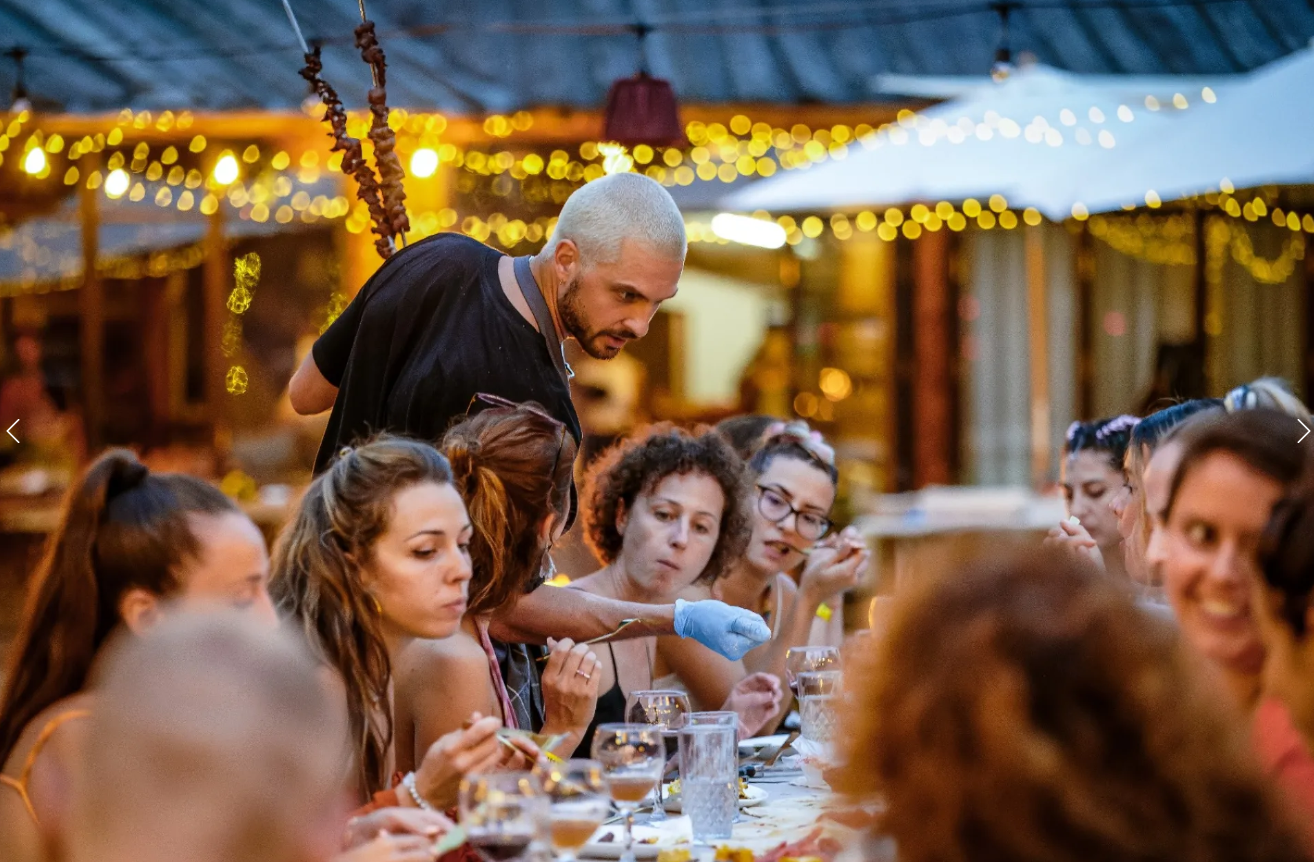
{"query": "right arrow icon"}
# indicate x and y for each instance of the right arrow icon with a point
(1306, 434)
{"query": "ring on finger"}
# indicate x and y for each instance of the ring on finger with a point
(579, 672)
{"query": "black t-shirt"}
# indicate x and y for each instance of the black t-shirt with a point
(427, 332)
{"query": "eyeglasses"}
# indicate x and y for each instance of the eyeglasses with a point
(775, 507)
(489, 400)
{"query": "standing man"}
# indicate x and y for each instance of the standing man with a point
(449, 317)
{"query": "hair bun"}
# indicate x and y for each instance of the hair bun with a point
(128, 473)
(800, 434)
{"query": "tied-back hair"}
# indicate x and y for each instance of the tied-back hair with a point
(1286, 557)
(122, 527)
(637, 465)
(1270, 392)
(1108, 436)
(317, 584)
(745, 433)
(1024, 709)
(794, 440)
(1263, 439)
(503, 465)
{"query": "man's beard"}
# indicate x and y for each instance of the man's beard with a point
(574, 319)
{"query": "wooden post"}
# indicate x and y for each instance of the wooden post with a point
(92, 320)
(1037, 319)
(214, 286)
(1084, 261)
(934, 354)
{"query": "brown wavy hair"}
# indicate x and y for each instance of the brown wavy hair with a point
(1026, 710)
(637, 465)
(122, 527)
(513, 467)
(316, 581)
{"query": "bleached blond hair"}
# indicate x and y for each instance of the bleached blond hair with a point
(612, 208)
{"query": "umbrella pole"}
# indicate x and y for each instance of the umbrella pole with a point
(1037, 317)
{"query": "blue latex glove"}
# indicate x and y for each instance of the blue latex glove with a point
(723, 628)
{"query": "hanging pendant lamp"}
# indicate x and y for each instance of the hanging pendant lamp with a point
(642, 109)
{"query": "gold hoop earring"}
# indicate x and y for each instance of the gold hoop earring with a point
(374, 600)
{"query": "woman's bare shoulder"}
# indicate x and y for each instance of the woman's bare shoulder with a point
(61, 728)
(422, 658)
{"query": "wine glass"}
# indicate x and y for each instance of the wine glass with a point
(503, 813)
(580, 804)
(808, 659)
(664, 708)
(632, 758)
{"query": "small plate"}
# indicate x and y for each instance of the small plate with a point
(757, 743)
(753, 795)
(612, 849)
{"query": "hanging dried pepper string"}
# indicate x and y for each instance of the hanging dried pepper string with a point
(385, 140)
(353, 160)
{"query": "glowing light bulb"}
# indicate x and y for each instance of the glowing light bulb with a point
(424, 162)
(35, 161)
(225, 170)
(116, 183)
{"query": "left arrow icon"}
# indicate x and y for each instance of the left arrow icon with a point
(10, 431)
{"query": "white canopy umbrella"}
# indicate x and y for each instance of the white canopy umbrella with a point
(1258, 133)
(996, 138)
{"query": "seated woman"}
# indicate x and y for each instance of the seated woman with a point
(376, 556)
(1129, 504)
(1234, 469)
(794, 485)
(1283, 607)
(974, 722)
(664, 511)
(512, 465)
(1091, 474)
(127, 541)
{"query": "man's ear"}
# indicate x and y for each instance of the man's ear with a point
(566, 261)
(139, 609)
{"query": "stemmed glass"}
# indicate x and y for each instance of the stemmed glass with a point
(667, 709)
(632, 757)
(503, 813)
(580, 804)
(808, 659)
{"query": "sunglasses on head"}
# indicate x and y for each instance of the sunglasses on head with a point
(485, 400)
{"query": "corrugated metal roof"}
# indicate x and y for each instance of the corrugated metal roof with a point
(503, 55)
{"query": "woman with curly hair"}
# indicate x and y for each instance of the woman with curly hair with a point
(665, 511)
(1022, 710)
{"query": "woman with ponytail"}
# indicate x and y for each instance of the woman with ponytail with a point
(127, 541)
(512, 464)
(377, 556)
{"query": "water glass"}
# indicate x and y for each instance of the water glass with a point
(808, 659)
(664, 708)
(504, 814)
(721, 717)
(709, 780)
(632, 758)
(580, 804)
(819, 696)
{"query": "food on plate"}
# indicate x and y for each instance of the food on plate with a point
(673, 789)
(676, 854)
(733, 854)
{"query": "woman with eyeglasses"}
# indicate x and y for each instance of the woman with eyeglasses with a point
(794, 482)
(511, 464)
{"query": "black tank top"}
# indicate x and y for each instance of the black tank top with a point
(611, 709)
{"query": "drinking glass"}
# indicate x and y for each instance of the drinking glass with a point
(709, 780)
(818, 695)
(580, 804)
(632, 758)
(723, 717)
(663, 708)
(806, 659)
(504, 814)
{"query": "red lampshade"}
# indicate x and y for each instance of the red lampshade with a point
(643, 110)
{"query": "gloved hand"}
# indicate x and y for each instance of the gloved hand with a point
(722, 628)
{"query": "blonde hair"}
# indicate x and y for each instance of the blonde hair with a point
(1268, 392)
(602, 213)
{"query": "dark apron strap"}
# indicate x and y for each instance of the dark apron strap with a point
(546, 327)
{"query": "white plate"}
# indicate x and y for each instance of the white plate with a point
(754, 795)
(757, 743)
(596, 849)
